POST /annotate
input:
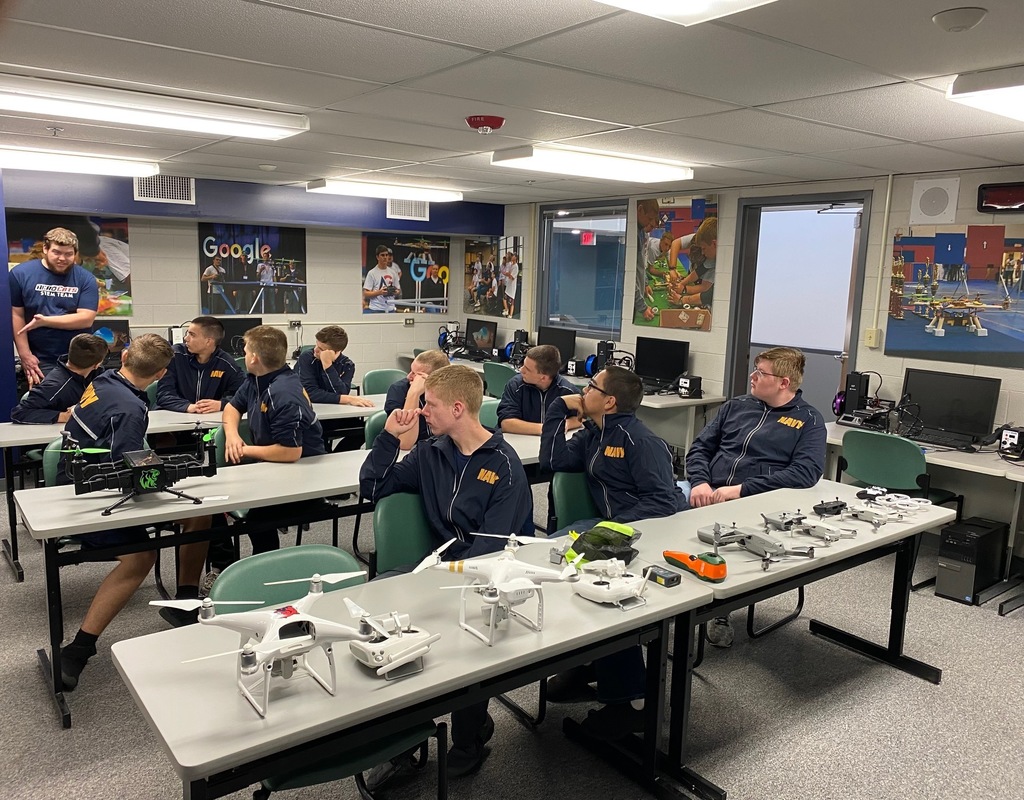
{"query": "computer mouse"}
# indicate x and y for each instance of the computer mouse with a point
(968, 448)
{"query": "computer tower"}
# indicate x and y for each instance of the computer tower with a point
(971, 557)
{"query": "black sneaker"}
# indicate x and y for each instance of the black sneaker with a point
(614, 721)
(573, 685)
(465, 762)
(178, 617)
(405, 764)
(73, 659)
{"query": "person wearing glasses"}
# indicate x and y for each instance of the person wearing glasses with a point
(769, 439)
(629, 474)
(53, 299)
(381, 286)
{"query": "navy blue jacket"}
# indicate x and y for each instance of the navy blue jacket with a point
(397, 393)
(187, 381)
(760, 447)
(522, 400)
(59, 391)
(112, 414)
(490, 494)
(325, 385)
(629, 469)
(279, 412)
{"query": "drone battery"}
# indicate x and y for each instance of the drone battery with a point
(663, 576)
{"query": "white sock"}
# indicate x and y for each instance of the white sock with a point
(637, 704)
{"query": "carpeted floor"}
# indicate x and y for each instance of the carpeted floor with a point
(787, 716)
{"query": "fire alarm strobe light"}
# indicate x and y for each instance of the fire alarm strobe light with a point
(485, 123)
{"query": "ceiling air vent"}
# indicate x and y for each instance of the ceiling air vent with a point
(409, 209)
(166, 189)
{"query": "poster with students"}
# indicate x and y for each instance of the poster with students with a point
(677, 249)
(102, 250)
(405, 274)
(252, 269)
(493, 277)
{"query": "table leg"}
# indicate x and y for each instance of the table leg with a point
(194, 790)
(892, 654)
(49, 662)
(10, 547)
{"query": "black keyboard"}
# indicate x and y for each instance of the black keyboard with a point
(940, 439)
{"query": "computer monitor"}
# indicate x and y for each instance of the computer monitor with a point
(116, 334)
(661, 361)
(234, 329)
(946, 401)
(562, 338)
(481, 336)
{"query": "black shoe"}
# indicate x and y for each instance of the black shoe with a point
(572, 685)
(614, 721)
(486, 731)
(178, 617)
(397, 767)
(73, 659)
(465, 762)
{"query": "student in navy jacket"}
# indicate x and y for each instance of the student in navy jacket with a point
(470, 480)
(526, 397)
(630, 477)
(407, 393)
(326, 374)
(201, 377)
(52, 400)
(113, 414)
(768, 439)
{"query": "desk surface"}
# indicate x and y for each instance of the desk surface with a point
(172, 695)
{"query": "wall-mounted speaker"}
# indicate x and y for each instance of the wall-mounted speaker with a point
(934, 201)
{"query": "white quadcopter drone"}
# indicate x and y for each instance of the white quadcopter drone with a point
(609, 581)
(502, 582)
(278, 640)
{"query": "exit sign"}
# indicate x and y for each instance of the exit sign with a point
(588, 238)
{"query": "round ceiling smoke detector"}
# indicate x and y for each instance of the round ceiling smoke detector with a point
(485, 123)
(958, 20)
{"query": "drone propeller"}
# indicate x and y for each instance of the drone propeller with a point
(514, 538)
(89, 450)
(331, 578)
(360, 613)
(194, 605)
(234, 652)
(435, 557)
(208, 436)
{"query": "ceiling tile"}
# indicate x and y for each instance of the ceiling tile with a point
(657, 144)
(904, 158)
(1008, 147)
(408, 132)
(804, 168)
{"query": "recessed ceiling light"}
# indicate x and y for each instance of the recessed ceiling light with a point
(691, 13)
(998, 91)
(591, 164)
(268, 167)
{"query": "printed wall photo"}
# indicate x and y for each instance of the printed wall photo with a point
(102, 250)
(955, 295)
(677, 248)
(252, 269)
(494, 275)
(405, 274)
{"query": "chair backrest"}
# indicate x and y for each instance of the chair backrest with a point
(401, 534)
(417, 350)
(496, 375)
(218, 440)
(571, 497)
(245, 579)
(373, 426)
(51, 461)
(241, 364)
(306, 348)
(881, 459)
(378, 381)
(151, 393)
(489, 412)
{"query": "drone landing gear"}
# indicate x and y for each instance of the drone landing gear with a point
(133, 494)
(497, 611)
(259, 681)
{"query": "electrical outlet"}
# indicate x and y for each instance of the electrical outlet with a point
(872, 337)
(295, 323)
(410, 321)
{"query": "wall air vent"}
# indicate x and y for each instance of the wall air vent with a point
(166, 189)
(409, 209)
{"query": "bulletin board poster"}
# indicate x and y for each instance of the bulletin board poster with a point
(677, 248)
(252, 269)
(955, 295)
(405, 274)
(494, 277)
(102, 250)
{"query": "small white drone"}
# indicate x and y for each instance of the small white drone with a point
(502, 582)
(753, 540)
(609, 581)
(797, 523)
(276, 640)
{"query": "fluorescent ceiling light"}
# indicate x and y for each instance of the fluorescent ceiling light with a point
(388, 191)
(692, 12)
(53, 161)
(57, 100)
(999, 91)
(591, 164)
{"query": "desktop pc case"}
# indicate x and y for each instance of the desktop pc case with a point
(971, 555)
